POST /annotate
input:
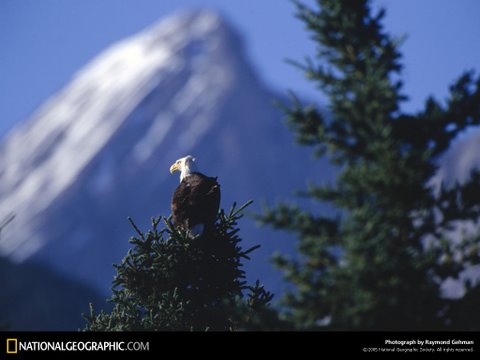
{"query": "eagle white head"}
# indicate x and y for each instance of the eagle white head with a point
(185, 165)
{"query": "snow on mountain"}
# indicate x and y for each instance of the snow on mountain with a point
(456, 166)
(44, 157)
(461, 158)
(100, 149)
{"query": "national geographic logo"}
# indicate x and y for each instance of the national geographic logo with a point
(12, 346)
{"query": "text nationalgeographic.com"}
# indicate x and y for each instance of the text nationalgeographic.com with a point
(14, 346)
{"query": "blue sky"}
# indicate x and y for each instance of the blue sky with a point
(43, 43)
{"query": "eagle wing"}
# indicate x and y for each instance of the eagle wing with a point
(196, 201)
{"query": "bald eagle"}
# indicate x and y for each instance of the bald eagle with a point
(196, 200)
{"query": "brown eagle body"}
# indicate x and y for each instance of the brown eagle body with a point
(195, 203)
(196, 200)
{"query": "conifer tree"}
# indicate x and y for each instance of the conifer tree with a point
(171, 281)
(380, 261)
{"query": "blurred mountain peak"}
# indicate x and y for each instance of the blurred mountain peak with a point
(199, 23)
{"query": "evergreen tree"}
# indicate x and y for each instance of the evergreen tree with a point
(380, 261)
(171, 281)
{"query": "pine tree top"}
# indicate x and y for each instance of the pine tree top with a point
(171, 281)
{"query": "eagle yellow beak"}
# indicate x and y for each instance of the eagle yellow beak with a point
(173, 168)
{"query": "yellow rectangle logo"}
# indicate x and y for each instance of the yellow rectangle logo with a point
(12, 346)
